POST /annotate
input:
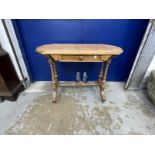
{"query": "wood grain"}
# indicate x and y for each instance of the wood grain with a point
(79, 49)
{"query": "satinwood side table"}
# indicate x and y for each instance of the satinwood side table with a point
(79, 53)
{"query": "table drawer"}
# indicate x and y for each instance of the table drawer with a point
(80, 58)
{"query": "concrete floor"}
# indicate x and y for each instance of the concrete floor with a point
(78, 111)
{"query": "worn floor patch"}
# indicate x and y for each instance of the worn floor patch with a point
(80, 111)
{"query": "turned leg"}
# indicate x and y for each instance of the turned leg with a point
(54, 78)
(101, 83)
(55, 72)
(102, 79)
(101, 73)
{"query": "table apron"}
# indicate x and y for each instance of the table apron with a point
(81, 58)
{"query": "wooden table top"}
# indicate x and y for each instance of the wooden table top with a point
(79, 49)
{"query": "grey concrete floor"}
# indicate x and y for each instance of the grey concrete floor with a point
(78, 111)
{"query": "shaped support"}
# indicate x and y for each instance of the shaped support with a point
(54, 76)
(102, 78)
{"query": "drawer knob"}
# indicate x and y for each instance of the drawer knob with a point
(95, 57)
(81, 57)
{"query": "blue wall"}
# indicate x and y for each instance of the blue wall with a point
(124, 33)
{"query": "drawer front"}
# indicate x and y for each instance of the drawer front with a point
(80, 58)
(77, 58)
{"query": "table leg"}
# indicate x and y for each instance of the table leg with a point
(54, 78)
(102, 79)
(55, 73)
(101, 73)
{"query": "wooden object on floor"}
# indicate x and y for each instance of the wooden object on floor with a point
(10, 85)
(79, 53)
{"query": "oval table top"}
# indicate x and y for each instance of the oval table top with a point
(79, 49)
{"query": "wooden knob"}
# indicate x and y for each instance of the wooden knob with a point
(95, 57)
(81, 57)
